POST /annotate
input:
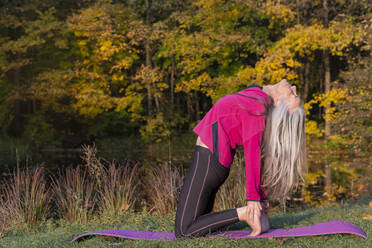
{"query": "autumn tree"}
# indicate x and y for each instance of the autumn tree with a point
(30, 45)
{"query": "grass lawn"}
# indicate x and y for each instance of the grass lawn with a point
(53, 234)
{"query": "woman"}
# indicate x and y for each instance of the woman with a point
(269, 122)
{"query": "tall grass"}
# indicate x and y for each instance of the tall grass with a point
(74, 195)
(99, 188)
(96, 187)
(119, 187)
(25, 198)
(232, 192)
(93, 163)
(162, 186)
(115, 184)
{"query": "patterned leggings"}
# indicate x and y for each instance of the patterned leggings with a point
(195, 203)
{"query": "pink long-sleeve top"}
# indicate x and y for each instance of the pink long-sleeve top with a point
(236, 120)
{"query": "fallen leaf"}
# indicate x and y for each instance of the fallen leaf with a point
(361, 187)
(125, 206)
(281, 242)
(367, 217)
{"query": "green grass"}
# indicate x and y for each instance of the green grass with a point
(52, 234)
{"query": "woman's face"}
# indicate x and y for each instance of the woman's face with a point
(286, 92)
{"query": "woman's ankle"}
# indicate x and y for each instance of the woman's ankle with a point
(241, 213)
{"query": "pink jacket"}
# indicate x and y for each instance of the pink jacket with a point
(236, 120)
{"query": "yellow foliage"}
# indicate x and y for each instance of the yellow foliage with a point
(155, 130)
(91, 102)
(312, 128)
(200, 83)
(335, 95)
(312, 177)
(106, 45)
(300, 43)
(279, 13)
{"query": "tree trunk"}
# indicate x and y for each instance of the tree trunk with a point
(327, 70)
(156, 98)
(298, 11)
(197, 107)
(301, 75)
(307, 81)
(327, 87)
(190, 109)
(15, 128)
(173, 69)
(148, 57)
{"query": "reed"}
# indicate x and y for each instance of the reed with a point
(232, 192)
(118, 191)
(93, 163)
(74, 194)
(25, 198)
(162, 187)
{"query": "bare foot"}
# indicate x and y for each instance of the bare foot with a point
(251, 218)
(255, 225)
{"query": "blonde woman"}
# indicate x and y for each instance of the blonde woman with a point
(269, 122)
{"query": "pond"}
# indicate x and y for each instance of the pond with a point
(333, 177)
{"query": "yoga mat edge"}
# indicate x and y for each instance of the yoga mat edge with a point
(331, 227)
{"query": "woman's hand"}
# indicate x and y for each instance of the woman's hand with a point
(251, 215)
(255, 215)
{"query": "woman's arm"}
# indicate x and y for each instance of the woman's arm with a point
(252, 154)
(256, 210)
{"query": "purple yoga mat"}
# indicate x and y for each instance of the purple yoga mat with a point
(331, 227)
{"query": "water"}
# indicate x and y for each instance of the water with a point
(349, 174)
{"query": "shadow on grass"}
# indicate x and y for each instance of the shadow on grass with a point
(290, 220)
(365, 200)
(275, 222)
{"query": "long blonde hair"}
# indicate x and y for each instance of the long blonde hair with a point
(283, 151)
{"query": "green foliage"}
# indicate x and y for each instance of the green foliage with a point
(39, 131)
(210, 49)
(6, 116)
(156, 130)
(106, 60)
(108, 38)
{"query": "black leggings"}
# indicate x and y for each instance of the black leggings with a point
(195, 203)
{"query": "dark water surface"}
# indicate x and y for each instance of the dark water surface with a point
(350, 175)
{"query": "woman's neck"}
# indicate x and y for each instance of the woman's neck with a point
(270, 91)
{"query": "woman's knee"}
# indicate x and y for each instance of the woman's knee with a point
(180, 232)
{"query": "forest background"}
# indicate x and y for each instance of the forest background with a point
(134, 77)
